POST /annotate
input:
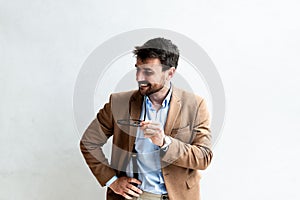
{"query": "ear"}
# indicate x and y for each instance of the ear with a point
(170, 73)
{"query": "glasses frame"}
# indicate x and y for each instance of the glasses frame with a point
(130, 122)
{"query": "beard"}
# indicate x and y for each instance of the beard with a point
(147, 88)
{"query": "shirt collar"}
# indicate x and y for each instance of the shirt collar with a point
(165, 102)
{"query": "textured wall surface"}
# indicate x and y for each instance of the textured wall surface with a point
(254, 45)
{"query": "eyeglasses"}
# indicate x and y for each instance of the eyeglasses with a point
(133, 122)
(130, 122)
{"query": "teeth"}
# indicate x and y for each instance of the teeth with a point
(143, 84)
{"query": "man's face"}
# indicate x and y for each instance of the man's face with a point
(150, 77)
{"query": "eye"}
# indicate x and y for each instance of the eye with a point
(148, 72)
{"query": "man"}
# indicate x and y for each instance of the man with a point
(161, 135)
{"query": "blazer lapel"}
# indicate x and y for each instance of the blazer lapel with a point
(136, 102)
(175, 106)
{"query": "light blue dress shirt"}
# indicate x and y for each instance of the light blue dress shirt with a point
(148, 158)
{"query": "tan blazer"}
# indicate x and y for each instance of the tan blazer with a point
(187, 124)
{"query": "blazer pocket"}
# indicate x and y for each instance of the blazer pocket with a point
(183, 134)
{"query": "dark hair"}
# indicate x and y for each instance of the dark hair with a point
(160, 48)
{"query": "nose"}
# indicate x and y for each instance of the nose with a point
(139, 75)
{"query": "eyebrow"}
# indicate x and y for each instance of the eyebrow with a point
(146, 68)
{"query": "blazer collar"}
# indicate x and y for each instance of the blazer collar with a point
(136, 103)
(175, 106)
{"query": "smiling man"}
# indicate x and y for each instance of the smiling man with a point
(160, 156)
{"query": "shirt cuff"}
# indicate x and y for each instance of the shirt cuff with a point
(167, 142)
(108, 183)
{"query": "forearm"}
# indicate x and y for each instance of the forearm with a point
(192, 148)
(97, 163)
(187, 155)
(91, 147)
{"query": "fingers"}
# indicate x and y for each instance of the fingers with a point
(134, 180)
(154, 131)
(124, 186)
(150, 123)
(151, 126)
(131, 190)
(151, 130)
(136, 190)
(126, 196)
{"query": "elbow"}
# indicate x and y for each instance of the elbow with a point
(206, 160)
(83, 146)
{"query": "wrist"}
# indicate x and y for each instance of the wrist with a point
(110, 181)
(166, 142)
(163, 142)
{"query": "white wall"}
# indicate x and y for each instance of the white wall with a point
(254, 44)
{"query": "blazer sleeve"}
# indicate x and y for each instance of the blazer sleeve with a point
(92, 141)
(197, 154)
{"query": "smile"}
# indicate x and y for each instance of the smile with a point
(143, 85)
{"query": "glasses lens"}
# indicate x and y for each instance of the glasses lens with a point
(130, 122)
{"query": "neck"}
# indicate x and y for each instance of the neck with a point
(158, 97)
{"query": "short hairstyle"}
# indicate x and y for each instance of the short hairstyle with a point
(160, 48)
